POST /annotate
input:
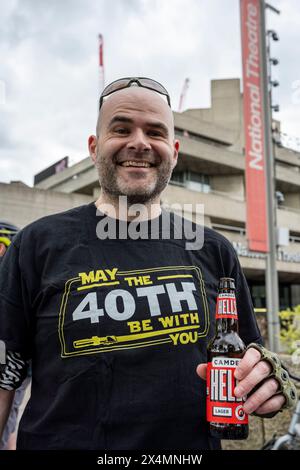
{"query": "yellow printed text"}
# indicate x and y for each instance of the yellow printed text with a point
(99, 275)
(138, 280)
(137, 326)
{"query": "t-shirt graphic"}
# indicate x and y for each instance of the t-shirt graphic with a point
(111, 309)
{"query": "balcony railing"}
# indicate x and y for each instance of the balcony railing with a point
(232, 196)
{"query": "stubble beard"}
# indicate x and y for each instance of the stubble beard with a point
(113, 186)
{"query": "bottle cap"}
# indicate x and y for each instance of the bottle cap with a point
(226, 283)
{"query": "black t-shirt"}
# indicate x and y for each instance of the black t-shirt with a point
(115, 330)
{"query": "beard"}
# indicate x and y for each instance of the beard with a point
(145, 189)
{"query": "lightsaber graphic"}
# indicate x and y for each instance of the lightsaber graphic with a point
(106, 340)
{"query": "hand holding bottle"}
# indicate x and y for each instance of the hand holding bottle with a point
(249, 373)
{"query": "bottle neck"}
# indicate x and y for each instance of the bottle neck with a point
(226, 325)
(226, 311)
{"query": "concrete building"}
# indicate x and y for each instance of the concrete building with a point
(210, 171)
(21, 204)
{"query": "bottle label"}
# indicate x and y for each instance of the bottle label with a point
(226, 306)
(221, 405)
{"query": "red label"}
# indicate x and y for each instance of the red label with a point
(226, 306)
(221, 404)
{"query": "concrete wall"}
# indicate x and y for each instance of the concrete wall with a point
(292, 200)
(20, 204)
(229, 184)
(226, 110)
(226, 103)
(231, 208)
(215, 205)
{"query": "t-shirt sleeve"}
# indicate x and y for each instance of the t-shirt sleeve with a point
(15, 311)
(248, 328)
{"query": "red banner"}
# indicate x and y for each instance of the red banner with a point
(256, 197)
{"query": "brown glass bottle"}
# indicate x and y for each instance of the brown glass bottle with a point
(225, 413)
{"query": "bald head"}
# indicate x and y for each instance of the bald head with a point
(139, 100)
(135, 150)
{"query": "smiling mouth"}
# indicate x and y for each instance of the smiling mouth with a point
(132, 163)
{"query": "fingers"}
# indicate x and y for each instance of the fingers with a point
(274, 404)
(201, 371)
(250, 372)
(260, 372)
(250, 359)
(261, 396)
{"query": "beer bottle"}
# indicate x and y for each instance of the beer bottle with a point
(225, 413)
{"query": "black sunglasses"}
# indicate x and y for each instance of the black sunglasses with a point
(128, 81)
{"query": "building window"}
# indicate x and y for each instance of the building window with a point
(295, 294)
(178, 178)
(192, 180)
(258, 293)
(284, 296)
(289, 295)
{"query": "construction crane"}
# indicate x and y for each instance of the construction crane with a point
(101, 64)
(183, 94)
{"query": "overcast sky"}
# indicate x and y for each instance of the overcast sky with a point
(49, 77)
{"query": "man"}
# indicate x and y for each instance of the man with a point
(117, 326)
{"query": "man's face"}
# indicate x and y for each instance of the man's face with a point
(135, 152)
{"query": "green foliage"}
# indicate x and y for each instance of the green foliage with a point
(290, 328)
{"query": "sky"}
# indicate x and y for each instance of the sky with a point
(49, 75)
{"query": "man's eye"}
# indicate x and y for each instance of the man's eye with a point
(121, 130)
(155, 134)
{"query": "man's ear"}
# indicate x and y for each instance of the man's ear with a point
(176, 151)
(92, 144)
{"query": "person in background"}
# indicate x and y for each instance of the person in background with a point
(8, 439)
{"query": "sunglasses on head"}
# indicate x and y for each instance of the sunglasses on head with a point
(139, 81)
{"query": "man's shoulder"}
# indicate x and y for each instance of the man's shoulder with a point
(213, 236)
(69, 215)
(53, 223)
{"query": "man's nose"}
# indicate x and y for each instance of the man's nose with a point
(139, 141)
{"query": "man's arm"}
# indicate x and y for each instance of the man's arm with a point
(6, 399)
